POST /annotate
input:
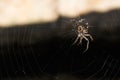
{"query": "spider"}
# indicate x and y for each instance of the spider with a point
(82, 32)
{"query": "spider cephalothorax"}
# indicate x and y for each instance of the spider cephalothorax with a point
(81, 28)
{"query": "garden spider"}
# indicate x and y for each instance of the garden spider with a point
(82, 32)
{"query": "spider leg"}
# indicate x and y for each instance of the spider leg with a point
(87, 43)
(89, 36)
(81, 38)
(76, 40)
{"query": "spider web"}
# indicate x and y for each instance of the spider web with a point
(44, 51)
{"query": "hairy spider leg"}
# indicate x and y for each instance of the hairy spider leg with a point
(76, 40)
(80, 42)
(87, 43)
(89, 36)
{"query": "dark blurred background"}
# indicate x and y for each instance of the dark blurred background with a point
(45, 51)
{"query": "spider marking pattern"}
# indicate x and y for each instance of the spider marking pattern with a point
(82, 32)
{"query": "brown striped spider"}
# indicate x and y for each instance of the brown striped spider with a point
(82, 32)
